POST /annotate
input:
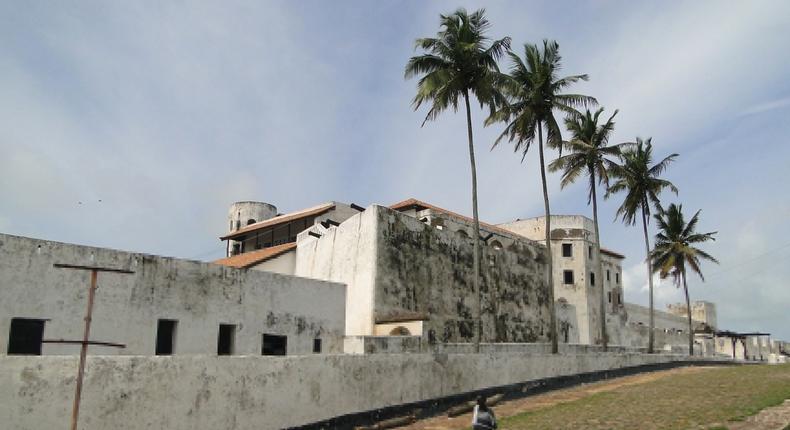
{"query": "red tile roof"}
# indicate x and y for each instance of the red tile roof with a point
(280, 219)
(249, 259)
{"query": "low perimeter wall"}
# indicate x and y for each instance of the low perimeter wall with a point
(203, 392)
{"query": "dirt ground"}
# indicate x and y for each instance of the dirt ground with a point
(773, 418)
(541, 401)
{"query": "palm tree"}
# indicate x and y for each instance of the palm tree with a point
(534, 92)
(639, 178)
(675, 250)
(589, 149)
(459, 61)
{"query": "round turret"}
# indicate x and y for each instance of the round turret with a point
(242, 214)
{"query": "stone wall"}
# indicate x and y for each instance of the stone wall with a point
(577, 232)
(662, 320)
(200, 392)
(199, 296)
(422, 270)
(346, 254)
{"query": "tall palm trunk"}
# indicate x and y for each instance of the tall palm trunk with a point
(651, 325)
(552, 309)
(476, 253)
(599, 264)
(688, 313)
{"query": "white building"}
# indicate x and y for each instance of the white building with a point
(163, 306)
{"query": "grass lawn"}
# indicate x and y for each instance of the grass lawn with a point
(681, 401)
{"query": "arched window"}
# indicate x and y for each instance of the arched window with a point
(400, 331)
(497, 245)
(250, 221)
(462, 234)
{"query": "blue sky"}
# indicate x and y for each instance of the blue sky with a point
(169, 112)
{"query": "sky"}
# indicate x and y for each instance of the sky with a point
(134, 125)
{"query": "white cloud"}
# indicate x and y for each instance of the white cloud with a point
(169, 113)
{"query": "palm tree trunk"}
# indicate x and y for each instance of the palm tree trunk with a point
(552, 308)
(599, 265)
(688, 313)
(651, 325)
(476, 253)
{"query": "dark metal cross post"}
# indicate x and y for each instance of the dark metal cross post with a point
(86, 335)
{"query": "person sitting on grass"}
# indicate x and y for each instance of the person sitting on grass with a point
(483, 417)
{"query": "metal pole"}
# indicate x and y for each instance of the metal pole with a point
(84, 351)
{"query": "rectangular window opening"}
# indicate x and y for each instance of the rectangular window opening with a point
(226, 341)
(608, 278)
(274, 344)
(610, 296)
(567, 250)
(567, 276)
(592, 278)
(589, 252)
(166, 337)
(617, 278)
(316, 346)
(25, 336)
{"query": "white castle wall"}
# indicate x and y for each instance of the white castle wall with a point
(200, 392)
(127, 306)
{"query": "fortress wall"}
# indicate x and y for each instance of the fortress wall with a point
(422, 270)
(205, 392)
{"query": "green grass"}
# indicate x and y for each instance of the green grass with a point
(681, 401)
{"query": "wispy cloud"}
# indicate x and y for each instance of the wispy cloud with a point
(168, 113)
(767, 106)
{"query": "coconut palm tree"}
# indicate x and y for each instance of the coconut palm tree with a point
(535, 93)
(639, 178)
(589, 153)
(675, 252)
(458, 62)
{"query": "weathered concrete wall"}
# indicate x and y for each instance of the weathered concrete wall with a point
(567, 322)
(578, 232)
(663, 320)
(284, 264)
(383, 344)
(701, 311)
(426, 271)
(198, 392)
(346, 254)
(199, 295)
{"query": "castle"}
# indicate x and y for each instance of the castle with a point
(342, 297)
(323, 243)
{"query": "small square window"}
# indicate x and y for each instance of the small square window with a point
(274, 344)
(25, 336)
(567, 276)
(567, 250)
(316, 346)
(592, 278)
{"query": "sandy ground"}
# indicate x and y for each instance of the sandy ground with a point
(541, 401)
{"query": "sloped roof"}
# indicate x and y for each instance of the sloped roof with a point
(612, 253)
(280, 219)
(409, 203)
(249, 259)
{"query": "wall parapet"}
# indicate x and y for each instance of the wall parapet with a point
(202, 392)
